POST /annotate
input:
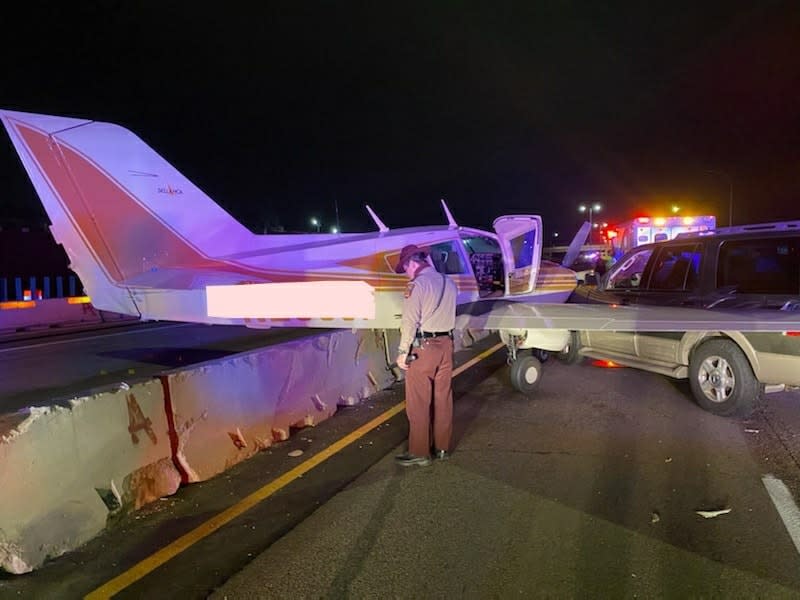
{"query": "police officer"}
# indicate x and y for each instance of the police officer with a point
(429, 314)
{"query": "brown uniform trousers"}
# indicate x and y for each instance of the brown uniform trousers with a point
(430, 375)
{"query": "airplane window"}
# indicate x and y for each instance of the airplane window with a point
(522, 248)
(447, 259)
(486, 261)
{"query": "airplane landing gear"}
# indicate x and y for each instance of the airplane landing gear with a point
(525, 369)
(542, 355)
(526, 372)
(511, 346)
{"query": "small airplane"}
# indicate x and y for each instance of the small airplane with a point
(147, 242)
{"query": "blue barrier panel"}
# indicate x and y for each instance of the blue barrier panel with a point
(3, 290)
(59, 287)
(71, 285)
(32, 282)
(46, 288)
(18, 288)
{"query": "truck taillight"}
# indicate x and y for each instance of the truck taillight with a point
(792, 333)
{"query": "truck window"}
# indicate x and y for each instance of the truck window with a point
(760, 266)
(675, 268)
(627, 273)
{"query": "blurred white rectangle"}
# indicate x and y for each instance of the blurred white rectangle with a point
(302, 300)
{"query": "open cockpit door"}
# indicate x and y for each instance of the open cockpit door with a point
(520, 241)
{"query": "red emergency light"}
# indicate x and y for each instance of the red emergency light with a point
(643, 220)
(607, 364)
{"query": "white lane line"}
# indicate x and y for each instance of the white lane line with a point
(94, 337)
(785, 505)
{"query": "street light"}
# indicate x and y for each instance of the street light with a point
(730, 193)
(334, 230)
(591, 208)
(315, 223)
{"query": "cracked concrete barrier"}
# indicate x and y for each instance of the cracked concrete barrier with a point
(66, 469)
(226, 411)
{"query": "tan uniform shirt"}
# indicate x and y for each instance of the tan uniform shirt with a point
(422, 294)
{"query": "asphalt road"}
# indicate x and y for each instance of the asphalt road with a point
(54, 368)
(590, 488)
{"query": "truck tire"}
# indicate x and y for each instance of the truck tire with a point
(722, 379)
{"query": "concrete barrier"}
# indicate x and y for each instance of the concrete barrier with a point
(228, 410)
(66, 469)
(16, 316)
(34, 314)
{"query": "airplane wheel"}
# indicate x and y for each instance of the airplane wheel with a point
(722, 379)
(542, 355)
(569, 354)
(526, 372)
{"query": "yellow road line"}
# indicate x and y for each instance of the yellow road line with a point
(152, 562)
(477, 359)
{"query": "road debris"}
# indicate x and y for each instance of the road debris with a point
(752, 431)
(710, 514)
(655, 517)
(295, 453)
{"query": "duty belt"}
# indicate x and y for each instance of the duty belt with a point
(433, 334)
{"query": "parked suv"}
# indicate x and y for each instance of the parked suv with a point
(754, 266)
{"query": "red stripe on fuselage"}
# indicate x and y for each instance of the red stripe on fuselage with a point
(124, 236)
(127, 239)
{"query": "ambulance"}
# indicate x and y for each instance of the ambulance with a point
(644, 230)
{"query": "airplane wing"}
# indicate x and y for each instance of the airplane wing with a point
(504, 315)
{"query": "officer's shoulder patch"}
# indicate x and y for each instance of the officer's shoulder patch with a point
(409, 289)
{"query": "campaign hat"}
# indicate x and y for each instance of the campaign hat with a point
(407, 253)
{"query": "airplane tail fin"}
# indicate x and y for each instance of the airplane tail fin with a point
(118, 208)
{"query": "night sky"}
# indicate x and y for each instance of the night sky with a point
(281, 111)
